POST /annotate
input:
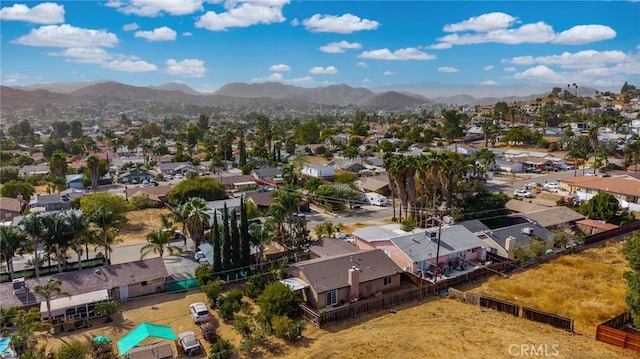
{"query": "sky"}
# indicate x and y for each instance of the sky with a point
(206, 44)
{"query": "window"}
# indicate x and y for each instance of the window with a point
(387, 280)
(143, 283)
(332, 297)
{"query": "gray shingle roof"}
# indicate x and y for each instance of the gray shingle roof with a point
(423, 246)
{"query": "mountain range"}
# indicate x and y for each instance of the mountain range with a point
(256, 93)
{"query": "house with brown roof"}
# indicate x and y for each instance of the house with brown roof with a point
(591, 226)
(157, 194)
(625, 188)
(10, 208)
(89, 286)
(337, 280)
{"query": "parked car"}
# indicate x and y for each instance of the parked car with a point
(522, 193)
(551, 185)
(198, 256)
(189, 343)
(199, 312)
(531, 185)
(168, 177)
(347, 238)
(567, 168)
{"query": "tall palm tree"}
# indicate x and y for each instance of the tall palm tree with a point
(57, 234)
(79, 228)
(58, 164)
(48, 291)
(92, 164)
(33, 228)
(158, 242)
(289, 175)
(180, 215)
(197, 219)
(286, 202)
(12, 239)
(106, 221)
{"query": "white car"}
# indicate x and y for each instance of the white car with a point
(522, 193)
(190, 343)
(551, 185)
(199, 312)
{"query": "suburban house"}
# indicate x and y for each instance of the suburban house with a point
(346, 165)
(136, 175)
(173, 168)
(625, 188)
(262, 200)
(317, 171)
(156, 194)
(10, 208)
(237, 183)
(377, 184)
(555, 218)
(502, 235)
(417, 251)
(266, 175)
(217, 207)
(75, 181)
(89, 287)
(333, 281)
(591, 226)
(31, 170)
(506, 166)
(55, 202)
(328, 246)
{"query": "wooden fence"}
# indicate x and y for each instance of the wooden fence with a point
(547, 318)
(609, 333)
(624, 229)
(499, 305)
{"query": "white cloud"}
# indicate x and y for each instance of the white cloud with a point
(153, 8)
(243, 14)
(159, 34)
(319, 70)
(340, 47)
(187, 34)
(301, 80)
(295, 22)
(409, 53)
(186, 67)
(271, 78)
(510, 69)
(441, 46)
(488, 68)
(344, 24)
(130, 27)
(530, 33)
(45, 13)
(489, 83)
(130, 66)
(67, 36)
(93, 55)
(522, 60)
(389, 73)
(280, 67)
(362, 64)
(447, 69)
(584, 34)
(483, 23)
(366, 80)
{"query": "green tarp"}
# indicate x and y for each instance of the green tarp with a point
(142, 332)
(182, 285)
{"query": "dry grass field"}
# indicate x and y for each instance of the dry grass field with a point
(141, 222)
(587, 287)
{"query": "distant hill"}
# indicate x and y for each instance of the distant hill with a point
(267, 89)
(174, 86)
(60, 87)
(396, 99)
(11, 98)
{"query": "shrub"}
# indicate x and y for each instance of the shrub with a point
(278, 299)
(203, 273)
(222, 349)
(212, 289)
(230, 304)
(255, 285)
(242, 326)
(285, 327)
(73, 350)
(142, 201)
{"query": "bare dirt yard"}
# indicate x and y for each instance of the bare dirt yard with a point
(141, 222)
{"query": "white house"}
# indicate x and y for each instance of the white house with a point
(317, 171)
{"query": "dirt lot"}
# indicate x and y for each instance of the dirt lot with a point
(141, 222)
(439, 327)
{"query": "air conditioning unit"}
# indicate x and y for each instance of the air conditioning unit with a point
(527, 230)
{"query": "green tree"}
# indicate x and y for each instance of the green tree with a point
(386, 146)
(226, 241)
(48, 291)
(346, 177)
(9, 174)
(204, 187)
(93, 164)
(307, 133)
(58, 165)
(75, 129)
(78, 226)
(452, 124)
(248, 167)
(57, 234)
(245, 237)
(197, 219)
(158, 242)
(602, 206)
(12, 240)
(236, 256)
(15, 188)
(631, 250)
(108, 309)
(242, 151)
(73, 350)
(33, 228)
(106, 201)
(278, 299)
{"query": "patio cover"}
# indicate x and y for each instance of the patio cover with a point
(142, 332)
(294, 284)
(59, 305)
(4, 345)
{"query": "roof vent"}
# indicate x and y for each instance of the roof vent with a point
(527, 230)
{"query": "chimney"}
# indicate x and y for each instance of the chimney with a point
(354, 282)
(510, 246)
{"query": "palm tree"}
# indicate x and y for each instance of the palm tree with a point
(180, 215)
(79, 228)
(33, 228)
(92, 164)
(289, 175)
(158, 242)
(287, 203)
(58, 165)
(12, 239)
(106, 220)
(197, 219)
(48, 291)
(107, 309)
(56, 234)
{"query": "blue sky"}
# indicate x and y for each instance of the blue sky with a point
(206, 44)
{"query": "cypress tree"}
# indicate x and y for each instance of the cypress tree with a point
(245, 238)
(235, 241)
(243, 151)
(226, 240)
(215, 231)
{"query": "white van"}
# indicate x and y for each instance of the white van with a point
(376, 199)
